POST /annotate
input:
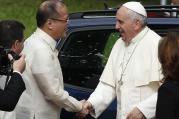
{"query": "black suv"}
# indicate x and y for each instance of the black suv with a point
(90, 38)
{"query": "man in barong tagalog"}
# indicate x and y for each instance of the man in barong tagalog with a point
(45, 96)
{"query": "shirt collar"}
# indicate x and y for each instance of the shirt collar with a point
(139, 36)
(47, 38)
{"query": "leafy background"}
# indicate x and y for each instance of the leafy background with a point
(24, 10)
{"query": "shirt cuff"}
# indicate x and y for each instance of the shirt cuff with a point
(92, 113)
(17, 72)
(148, 106)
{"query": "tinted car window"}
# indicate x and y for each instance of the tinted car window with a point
(84, 55)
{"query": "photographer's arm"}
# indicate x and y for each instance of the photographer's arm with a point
(11, 94)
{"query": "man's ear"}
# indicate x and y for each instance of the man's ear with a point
(15, 45)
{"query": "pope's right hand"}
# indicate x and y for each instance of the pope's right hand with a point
(87, 108)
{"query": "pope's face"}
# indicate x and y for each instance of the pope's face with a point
(125, 25)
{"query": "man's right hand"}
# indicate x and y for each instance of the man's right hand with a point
(19, 65)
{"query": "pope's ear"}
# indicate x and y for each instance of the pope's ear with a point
(137, 25)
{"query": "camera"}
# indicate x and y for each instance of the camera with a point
(5, 63)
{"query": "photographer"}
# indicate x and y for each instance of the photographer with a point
(11, 82)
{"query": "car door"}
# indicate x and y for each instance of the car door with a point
(83, 57)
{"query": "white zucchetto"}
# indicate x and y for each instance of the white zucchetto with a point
(136, 7)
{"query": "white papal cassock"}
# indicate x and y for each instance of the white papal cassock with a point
(139, 67)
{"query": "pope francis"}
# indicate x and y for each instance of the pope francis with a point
(132, 73)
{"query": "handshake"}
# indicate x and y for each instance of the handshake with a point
(86, 109)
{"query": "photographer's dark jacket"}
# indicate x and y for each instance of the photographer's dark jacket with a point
(12, 92)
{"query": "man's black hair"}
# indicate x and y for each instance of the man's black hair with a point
(47, 10)
(10, 31)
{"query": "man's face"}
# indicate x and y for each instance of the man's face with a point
(125, 25)
(60, 23)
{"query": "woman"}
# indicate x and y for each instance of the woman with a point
(168, 93)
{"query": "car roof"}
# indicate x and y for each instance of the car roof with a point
(111, 21)
(107, 17)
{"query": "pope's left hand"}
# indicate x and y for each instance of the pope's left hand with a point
(135, 114)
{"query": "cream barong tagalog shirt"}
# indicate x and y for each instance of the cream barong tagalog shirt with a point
(45, 95)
